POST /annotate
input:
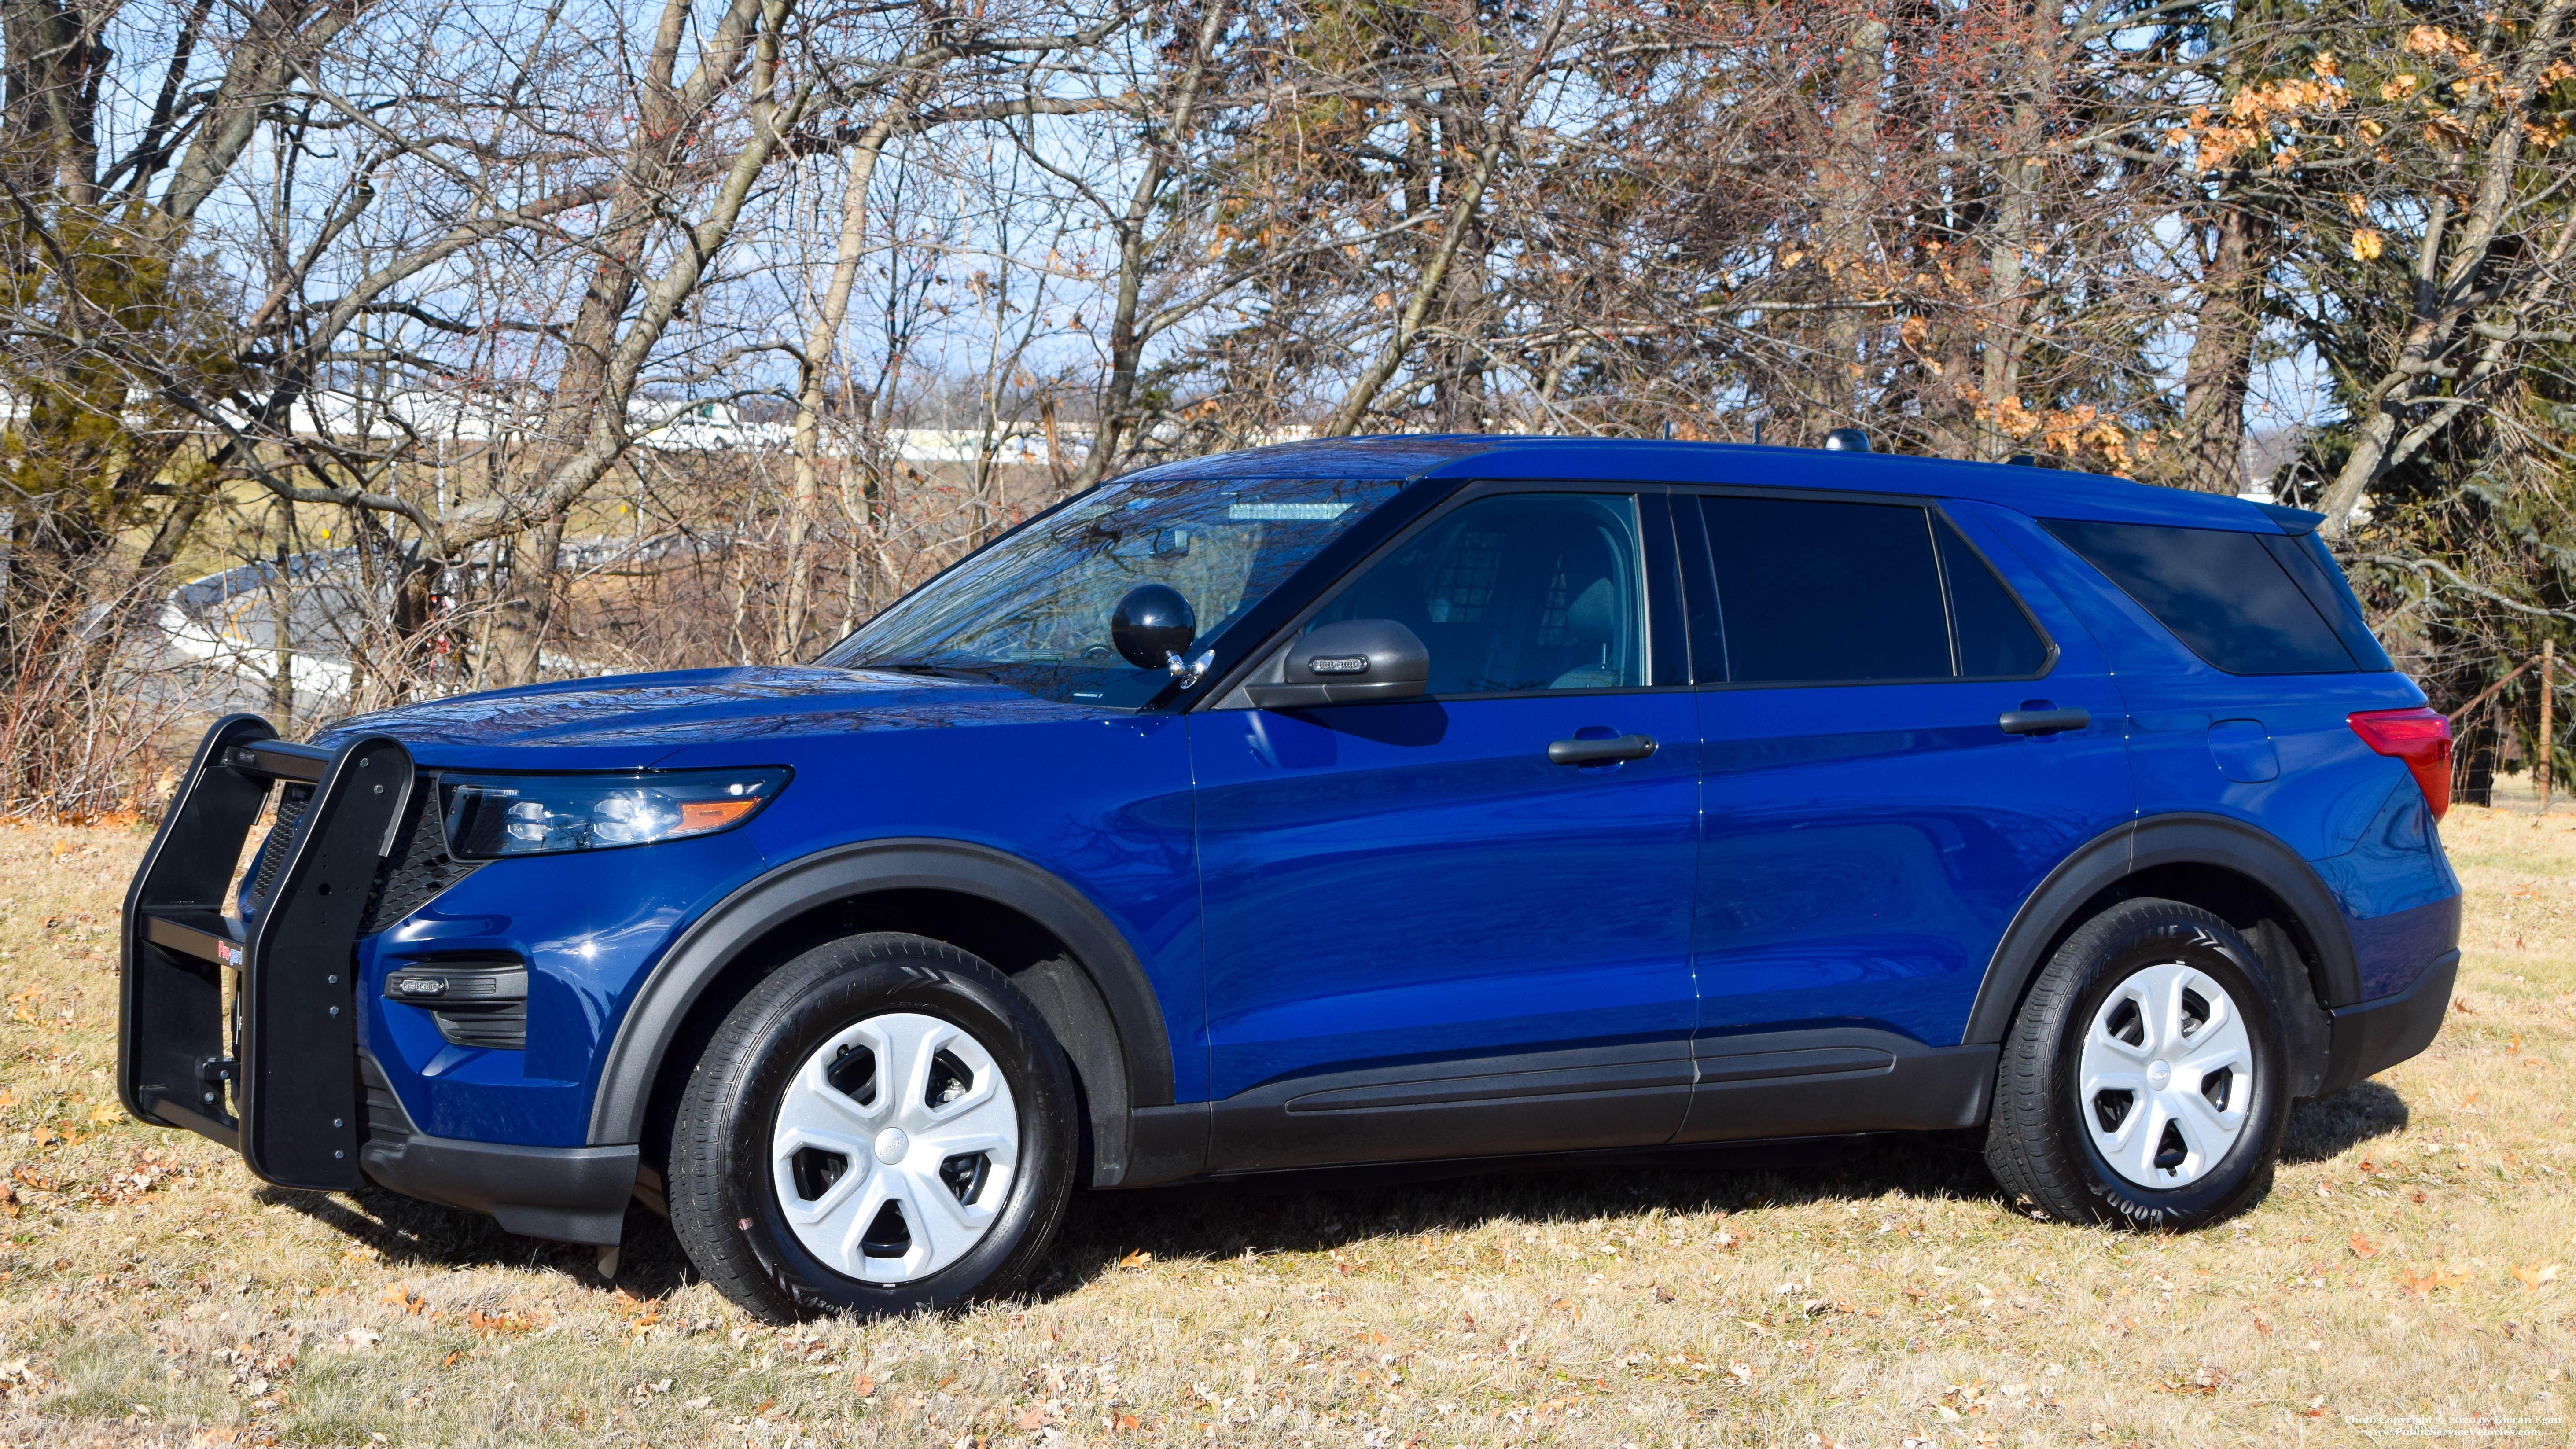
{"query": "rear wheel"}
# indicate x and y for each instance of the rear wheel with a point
(2142, 1082)
(884, 1125)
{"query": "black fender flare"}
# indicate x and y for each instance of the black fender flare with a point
(717, 940)
(2183, 838)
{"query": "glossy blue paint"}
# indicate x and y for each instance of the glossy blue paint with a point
(1371, 885)
(875, 756)
(2326, 793)
(2242, 751)
(1864, 847)
(2031, 491)
(589, 925)
(1415, 882)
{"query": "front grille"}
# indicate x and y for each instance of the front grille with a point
(420, 868)
(291, 803)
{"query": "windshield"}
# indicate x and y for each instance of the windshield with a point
(1032, 611)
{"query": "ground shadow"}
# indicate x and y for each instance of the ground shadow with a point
(409, 1233)
(1319, 1212)
(2328, 1126)
(1322, 1212)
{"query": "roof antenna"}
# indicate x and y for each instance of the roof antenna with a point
(1847, 440)
(1757, 432)
(1668, 430)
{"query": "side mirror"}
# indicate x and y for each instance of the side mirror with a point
(1152, 626)
(1351, 662)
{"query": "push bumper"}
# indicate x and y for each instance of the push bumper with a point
(271, 1068)
(2371, 1036)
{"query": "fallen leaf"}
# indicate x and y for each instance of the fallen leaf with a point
(866, 1386)
(1034, 1419)
(1742, 1372)
(2361, 1247)
(2422, 1284)
(362, 1338)
(2533, 1277)
(1137, 1259)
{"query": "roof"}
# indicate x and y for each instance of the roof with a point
(2039, 492)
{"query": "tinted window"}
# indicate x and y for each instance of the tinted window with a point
(2221, 593)
(2316, 573)
(1996, 640)
(1525, 591)
(1815, 592)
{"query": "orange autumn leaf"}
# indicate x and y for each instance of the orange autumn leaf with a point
(2361, 1247)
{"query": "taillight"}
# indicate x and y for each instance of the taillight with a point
(2420, 737)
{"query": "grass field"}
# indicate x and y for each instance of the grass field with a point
(2414, 1269)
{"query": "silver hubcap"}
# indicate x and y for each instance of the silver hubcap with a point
(895, 1147)
(2166, 1075)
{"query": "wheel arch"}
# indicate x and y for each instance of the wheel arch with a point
(2233, 870)
(1052, 941)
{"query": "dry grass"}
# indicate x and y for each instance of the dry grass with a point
(2415, 1260)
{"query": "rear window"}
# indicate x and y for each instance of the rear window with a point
(2223, 594)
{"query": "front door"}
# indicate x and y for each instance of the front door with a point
(1882, 788)
(1423, 938)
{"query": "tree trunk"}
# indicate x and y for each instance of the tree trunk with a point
(2207, 451)
(1847, 186)
(814, 366)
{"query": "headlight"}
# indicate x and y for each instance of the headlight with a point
(490, 816)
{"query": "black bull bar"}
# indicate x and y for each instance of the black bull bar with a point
(280, 1086)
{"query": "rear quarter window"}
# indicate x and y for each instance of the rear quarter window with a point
(2223, 594)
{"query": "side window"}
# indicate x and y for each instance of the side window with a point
(1996, 640)
(1812, 592)
(2221, 593)
(1520, 592)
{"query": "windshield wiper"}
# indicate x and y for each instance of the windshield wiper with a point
(924, 666)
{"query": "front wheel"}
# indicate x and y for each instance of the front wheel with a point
(2142, 1082)
(883, 1125)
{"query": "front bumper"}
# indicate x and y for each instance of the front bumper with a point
(570, 1194)
(272, 1068)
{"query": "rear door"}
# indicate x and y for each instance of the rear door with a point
(1424, 939)
(1870, 826)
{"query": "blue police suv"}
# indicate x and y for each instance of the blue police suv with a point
(1359, 802)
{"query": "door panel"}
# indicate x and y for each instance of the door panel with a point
(1864, 844)
(1423, 938)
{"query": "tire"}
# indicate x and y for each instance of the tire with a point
(2143, 1083)
(878, 1074)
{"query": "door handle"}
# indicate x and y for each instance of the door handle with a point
(2042, 719)
(1600, 752)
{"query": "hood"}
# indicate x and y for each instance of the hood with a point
(632, 721)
